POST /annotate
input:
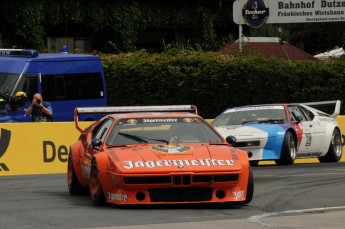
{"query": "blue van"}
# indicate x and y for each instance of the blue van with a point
(65, 80)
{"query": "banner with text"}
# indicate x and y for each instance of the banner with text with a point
(36, 148)
(258, 12)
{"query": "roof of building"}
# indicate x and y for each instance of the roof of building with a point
(268, 47)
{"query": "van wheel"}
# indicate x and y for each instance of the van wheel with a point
(335, 149)
(96, 191)
(288, 153)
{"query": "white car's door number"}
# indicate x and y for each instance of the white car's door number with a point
(308, 139)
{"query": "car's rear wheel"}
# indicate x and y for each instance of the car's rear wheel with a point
(335, 148)
(96, 192)
(288, 153)
(74, 186)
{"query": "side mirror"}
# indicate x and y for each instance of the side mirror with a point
(299, 118)
(96, 142)
(231, 139)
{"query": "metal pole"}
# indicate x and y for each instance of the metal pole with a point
(240, 36)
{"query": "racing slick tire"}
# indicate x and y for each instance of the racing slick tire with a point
(288, 153)
(250, 188)
(335, 148)
(74, 186)
(249, 193)
(96, 191)
(254, 163)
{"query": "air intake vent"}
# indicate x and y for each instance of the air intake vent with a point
(177, 179)
(180, 194)
(186, 179)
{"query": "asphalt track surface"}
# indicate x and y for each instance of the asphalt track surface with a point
(296, 196)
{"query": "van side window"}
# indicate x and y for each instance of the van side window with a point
(72, 86)
(31, 86)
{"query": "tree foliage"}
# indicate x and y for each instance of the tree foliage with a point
(114, 25)
(214, 82)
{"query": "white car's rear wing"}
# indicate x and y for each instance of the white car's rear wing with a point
(130, 109)
(335, 103)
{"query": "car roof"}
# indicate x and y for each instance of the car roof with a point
(262, 105)
(259, 105)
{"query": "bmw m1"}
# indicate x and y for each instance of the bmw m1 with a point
(284, 132)
(156, 155)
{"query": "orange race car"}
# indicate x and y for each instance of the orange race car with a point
(156, 155)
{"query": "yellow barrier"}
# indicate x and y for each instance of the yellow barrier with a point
(36, 148)
(42, 148)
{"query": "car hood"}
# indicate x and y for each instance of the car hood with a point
(169, 158)
(242, 132)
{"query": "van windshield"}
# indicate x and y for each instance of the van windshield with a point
(7, 82)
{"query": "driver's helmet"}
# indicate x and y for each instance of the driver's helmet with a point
(20, 94)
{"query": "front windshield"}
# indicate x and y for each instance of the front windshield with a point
(251, 115)
(7, 83)
(162, 131)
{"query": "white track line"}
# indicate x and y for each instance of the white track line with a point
(257, 218)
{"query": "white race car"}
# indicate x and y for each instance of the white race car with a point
(284, 132)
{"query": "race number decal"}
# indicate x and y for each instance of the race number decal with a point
(308, 140)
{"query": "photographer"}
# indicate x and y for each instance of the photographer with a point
(39, 110)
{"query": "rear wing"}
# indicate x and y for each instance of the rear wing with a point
(130, 109)
(327, 104)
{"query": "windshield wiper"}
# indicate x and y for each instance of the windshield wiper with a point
(142, 139)
(115, 146)
(134, 137)
(217, 143)
(266, 120)
(271, 120)
(249, 121)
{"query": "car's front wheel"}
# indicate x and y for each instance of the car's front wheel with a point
(96, 192)
(254, 163)
(249, 192)
(250, 187)
(335, 148)
(74, 186)
(288, 153)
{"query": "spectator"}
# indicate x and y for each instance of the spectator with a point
(39, 110)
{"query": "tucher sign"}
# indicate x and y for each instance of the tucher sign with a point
(255, 13)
